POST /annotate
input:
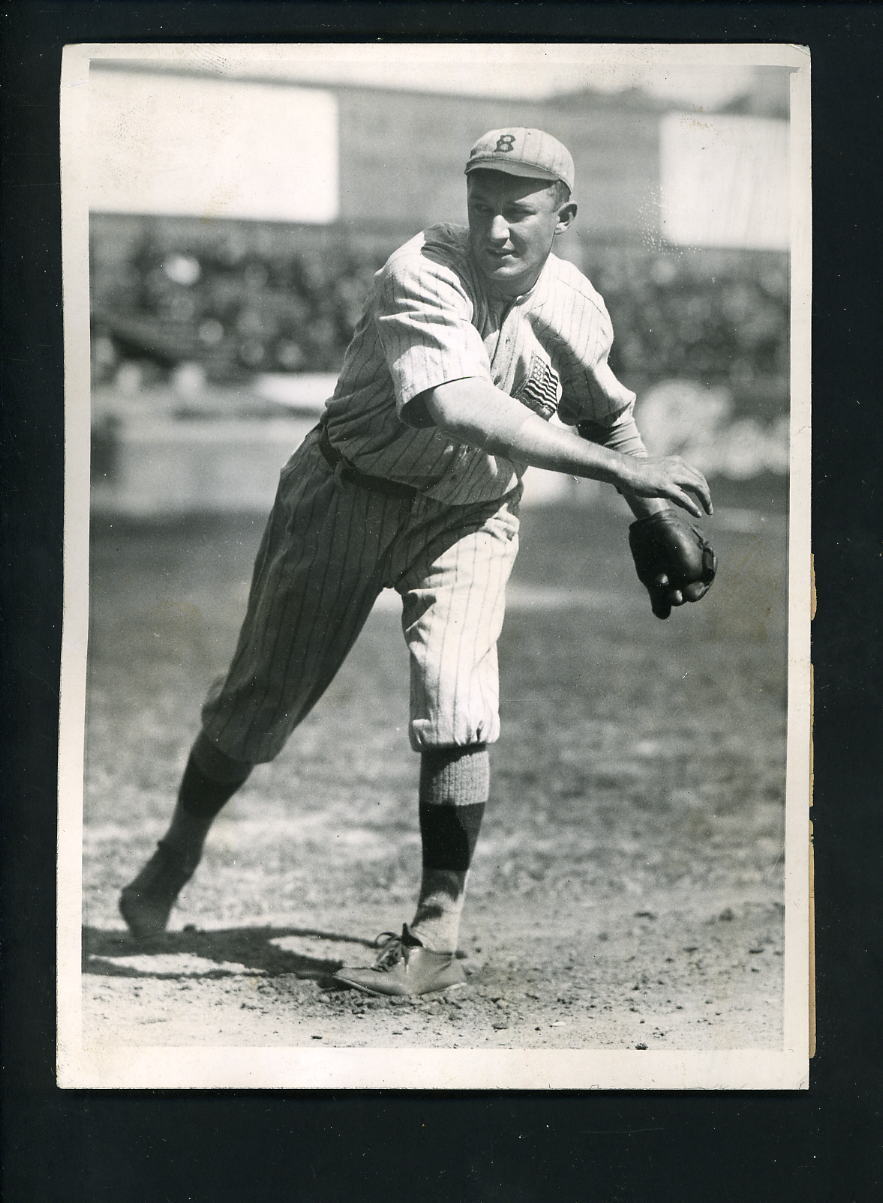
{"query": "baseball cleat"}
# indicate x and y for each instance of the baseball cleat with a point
(405, 967)
(147, 902)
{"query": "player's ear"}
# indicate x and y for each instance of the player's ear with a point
(566, 217)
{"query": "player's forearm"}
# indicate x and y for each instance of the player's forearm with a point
(623, 436)
(643, 507)
(472, 411)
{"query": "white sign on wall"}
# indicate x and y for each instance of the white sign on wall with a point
(724, 181)
(164, 143)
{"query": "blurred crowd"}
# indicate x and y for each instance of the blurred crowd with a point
(717, 317)
(227, 305)
(235, 306)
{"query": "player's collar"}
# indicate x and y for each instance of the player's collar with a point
(534, 296)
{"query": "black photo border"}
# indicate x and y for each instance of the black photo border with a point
(818, 1144)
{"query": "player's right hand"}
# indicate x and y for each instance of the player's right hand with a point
(670, 478)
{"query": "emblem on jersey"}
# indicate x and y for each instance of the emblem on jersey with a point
(540, 391)
(505, 142)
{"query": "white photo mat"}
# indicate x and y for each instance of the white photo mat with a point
(83, 1063)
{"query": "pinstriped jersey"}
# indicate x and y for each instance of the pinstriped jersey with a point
(433, 318)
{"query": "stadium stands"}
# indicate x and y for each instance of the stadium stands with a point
(223, 296)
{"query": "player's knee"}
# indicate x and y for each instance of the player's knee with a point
(430, 734)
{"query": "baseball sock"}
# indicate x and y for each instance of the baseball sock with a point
(454, 786)
(210, 779)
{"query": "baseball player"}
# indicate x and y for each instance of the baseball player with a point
(471, 339)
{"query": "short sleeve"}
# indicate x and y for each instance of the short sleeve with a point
(590, 390)
(424, 321)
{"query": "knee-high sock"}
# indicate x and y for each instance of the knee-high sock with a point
(210, 779)
(454, 784)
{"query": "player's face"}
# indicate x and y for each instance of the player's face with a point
(512, 224)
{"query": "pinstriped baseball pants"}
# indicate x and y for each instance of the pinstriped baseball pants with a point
(329, 548)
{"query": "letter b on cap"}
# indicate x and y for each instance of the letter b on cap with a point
(505, 142)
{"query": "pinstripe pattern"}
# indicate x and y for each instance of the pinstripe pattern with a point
(329, 548)
(331, 544)
(452, 614)
(433, 318)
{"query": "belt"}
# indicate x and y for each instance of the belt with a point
(375, 484)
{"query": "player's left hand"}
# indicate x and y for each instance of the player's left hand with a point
(674, 561)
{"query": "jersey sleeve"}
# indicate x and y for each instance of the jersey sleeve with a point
(590, 390)
(424, 321)
(620, 435)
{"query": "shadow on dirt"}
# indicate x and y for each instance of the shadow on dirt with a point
(183, 954)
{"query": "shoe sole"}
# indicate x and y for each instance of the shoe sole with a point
(343, 981)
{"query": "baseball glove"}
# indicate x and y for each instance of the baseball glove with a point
(674, 561)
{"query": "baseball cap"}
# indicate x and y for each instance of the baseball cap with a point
(526, 152)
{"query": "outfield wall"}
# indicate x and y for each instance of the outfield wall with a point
(192, 451)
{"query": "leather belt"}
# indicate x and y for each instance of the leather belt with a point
(375, 484)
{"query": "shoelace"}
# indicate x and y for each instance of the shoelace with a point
(392, 950)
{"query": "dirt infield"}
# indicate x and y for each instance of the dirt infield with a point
(627, 890)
